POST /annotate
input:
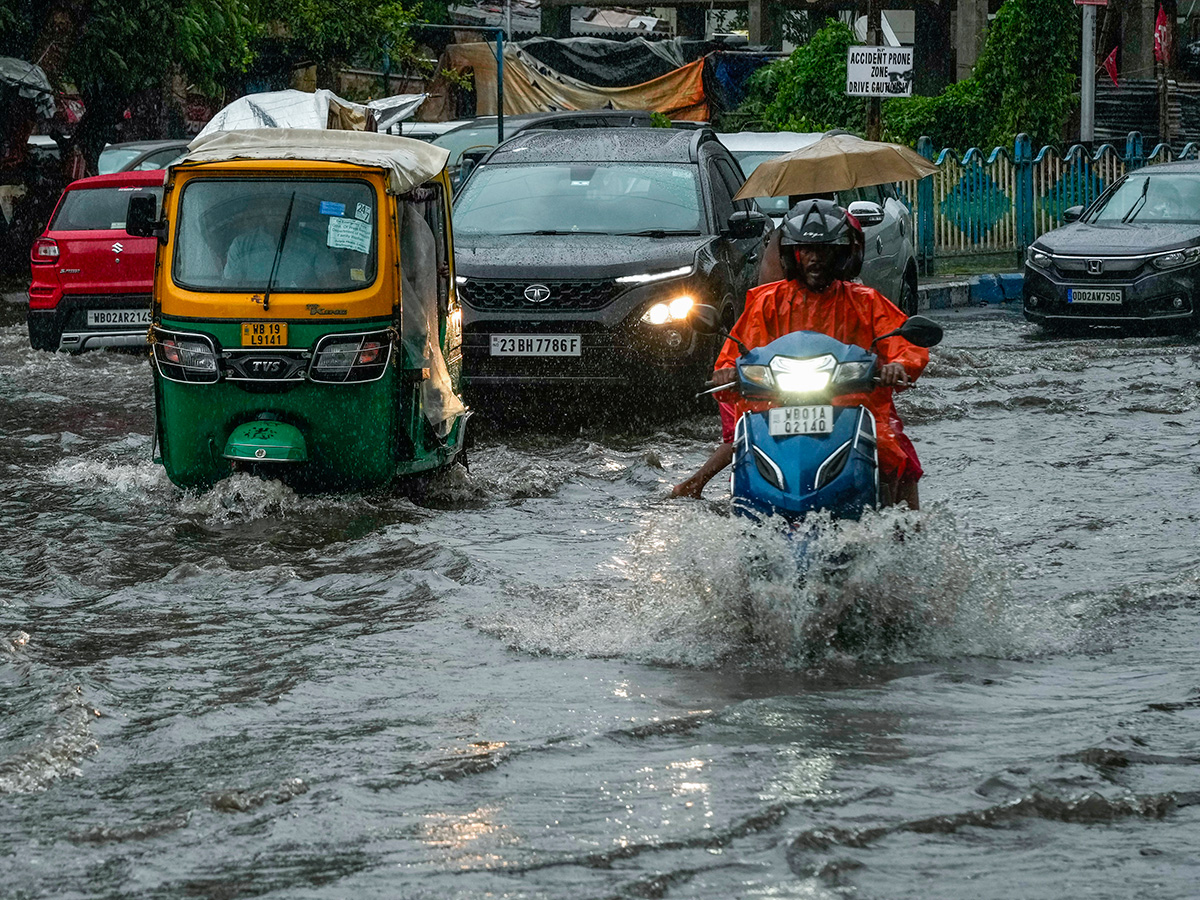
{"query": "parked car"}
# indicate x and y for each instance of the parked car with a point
(91, 281)
(580, 254)
(1132, 257)
(476, 138)
(890, 252)
(139, 156)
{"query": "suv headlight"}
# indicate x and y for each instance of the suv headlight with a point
(1176, 258)
(1039, 258)
(647, 277)
(803, 376)
(351, 358)
(673, 311)
(185, 357)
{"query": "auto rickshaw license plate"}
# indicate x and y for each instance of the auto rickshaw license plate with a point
(264, 334)
(783, 421)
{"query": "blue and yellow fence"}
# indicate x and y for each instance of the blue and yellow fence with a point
(1001, 201)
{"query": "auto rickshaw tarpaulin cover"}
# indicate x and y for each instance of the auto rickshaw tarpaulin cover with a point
(319, 109)
(532, 86)
(408, 163)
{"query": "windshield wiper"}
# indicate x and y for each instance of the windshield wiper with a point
(278, 254)
(552, 231)
(657, 232)
(1138, 204)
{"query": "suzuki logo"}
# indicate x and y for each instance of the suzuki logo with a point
(537, 293)
(1095, 266)
(118, 247)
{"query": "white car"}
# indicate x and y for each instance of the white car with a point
(890, 255)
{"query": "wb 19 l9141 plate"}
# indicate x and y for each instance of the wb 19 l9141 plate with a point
(784, 421)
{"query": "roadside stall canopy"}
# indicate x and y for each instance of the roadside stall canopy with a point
(319, 109)
(408, 163)
(30, 82)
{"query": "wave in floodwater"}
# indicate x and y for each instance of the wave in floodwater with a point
(698, 589)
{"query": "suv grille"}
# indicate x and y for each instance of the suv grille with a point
(563, 295)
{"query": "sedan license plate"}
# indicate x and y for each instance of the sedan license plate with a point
(536, 345)
(116, 318)
(264, 334)
(784, 421)
(1081, 295)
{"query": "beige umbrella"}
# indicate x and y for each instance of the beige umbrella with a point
(836, 162)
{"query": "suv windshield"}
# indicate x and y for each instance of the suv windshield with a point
(228, 234)
(97, 209)
(1148, 198)
(606, 198)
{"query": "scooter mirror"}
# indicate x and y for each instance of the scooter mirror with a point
(705, 319)
(922, 331)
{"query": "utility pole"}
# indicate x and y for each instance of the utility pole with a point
(1087, 77)
(875, 39)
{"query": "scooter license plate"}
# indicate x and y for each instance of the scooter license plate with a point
(264, 334)
(785, 421)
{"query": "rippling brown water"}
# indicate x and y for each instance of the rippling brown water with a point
(544, 679)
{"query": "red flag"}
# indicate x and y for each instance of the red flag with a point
(1162, 36)
(1110, 66)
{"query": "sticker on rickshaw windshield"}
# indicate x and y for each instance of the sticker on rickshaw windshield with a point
(349, 234)
(362, 211)
(329, 208)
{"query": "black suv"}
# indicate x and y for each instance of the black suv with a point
(579, 255)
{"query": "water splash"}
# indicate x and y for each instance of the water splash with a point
(697, 589)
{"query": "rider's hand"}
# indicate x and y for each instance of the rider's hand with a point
(724, 376)
(894, 375)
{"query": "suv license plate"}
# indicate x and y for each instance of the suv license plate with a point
(1080, 295)
(784, 421)
(107, 318)
(264, 334)
(536, 345)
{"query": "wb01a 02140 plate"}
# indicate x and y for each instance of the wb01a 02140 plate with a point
(535, 345)
(785, 421)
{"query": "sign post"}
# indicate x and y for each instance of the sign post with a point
(879, 72)
(1087, 71)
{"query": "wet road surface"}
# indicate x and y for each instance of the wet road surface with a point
(544, 679)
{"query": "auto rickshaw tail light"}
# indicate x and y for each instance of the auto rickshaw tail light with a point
(354, 358)
(191, 359)
(44, 250)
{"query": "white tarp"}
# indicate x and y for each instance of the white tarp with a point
(408, 163)
(30, 82)
(300, 109)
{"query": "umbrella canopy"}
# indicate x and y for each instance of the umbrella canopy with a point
(836, 162)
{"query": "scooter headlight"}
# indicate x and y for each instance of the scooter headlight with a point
(803, 376)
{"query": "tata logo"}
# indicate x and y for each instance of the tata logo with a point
(118, 247)
(1095, 266)
(537, 293)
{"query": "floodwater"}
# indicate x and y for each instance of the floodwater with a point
(544, 679)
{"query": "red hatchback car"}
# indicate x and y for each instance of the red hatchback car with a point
(91, 281)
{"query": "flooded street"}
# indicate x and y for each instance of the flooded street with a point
(544, 679)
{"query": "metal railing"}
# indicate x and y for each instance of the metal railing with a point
(1000, 202)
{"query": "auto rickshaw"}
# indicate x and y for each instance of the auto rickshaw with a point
(304, 320)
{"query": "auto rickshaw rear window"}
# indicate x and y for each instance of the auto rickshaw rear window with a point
(98, 209)
(316, 236)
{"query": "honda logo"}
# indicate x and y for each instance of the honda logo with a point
(537, 293)
(118, 247)
(1095, 266)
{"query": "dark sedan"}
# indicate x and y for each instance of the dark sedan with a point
(1130, 259)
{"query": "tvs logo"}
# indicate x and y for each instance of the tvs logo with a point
(118, 247)
(1095, 266)
(537, 293)
(266, 367)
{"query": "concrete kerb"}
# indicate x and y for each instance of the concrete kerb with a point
(969, 290)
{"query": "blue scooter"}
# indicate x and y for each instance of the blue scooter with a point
(804, 453)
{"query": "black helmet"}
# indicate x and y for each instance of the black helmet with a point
(816, 222)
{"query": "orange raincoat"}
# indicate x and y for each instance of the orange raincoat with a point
(853, 314)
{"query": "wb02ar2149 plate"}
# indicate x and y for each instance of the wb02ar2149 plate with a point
(104, 318)
(1092, 295)
(535, 345)
(785, 421)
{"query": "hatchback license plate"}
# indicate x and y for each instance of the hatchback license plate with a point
(1081, 295)
(108, 318)
(784, 421)
(264, 334)
(536, 345)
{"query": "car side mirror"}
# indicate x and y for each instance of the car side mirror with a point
(141, 218)
(867, 212)
(747, 223)
(1072, 214)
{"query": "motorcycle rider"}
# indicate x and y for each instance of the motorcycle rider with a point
(819, 257)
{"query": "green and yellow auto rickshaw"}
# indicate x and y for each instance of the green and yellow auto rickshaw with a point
(304, 320)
